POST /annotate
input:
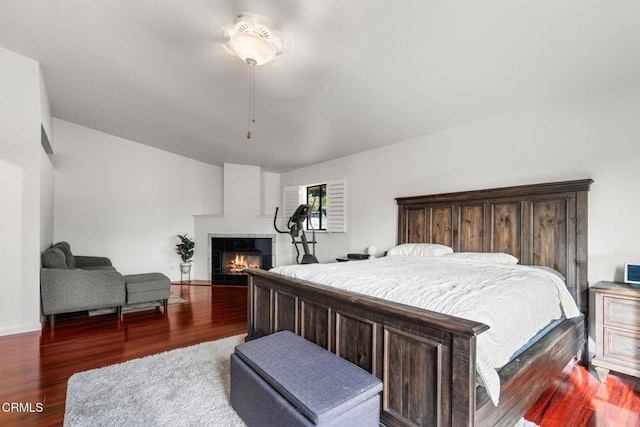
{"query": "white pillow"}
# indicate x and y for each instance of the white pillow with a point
(419, 249)
(497, 257)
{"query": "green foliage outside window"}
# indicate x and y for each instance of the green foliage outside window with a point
(317, 199)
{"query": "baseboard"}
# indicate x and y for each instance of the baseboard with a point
(20, 329)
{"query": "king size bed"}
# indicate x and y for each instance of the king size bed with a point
(438, 361)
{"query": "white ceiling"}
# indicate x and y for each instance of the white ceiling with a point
(358, 74)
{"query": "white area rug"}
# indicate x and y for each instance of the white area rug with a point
(173, 299)
(525, 423)
(184, 387)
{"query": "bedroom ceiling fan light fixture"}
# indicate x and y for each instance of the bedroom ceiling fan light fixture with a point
(251, 38)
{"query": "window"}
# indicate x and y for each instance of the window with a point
(328, 202)
(317, 199)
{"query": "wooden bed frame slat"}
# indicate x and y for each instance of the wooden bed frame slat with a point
(427, 360)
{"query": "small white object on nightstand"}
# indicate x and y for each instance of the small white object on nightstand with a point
(372, 251)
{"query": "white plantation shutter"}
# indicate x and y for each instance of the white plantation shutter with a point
(290, 201)
(337, 206)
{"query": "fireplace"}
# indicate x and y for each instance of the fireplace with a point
(231, 254)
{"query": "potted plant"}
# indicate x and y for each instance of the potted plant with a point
(185, 250)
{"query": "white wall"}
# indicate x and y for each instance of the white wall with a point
(128, 201)
(270, 194)
(46, 201)
(20, 169)
(595, 138)
(46, 172)
(242, 188)
(11, 187)
(46, 118)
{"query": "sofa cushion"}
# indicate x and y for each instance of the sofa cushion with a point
(53, 258)
(66, 250)
(100, 268)
(147, 282)
(147, 287)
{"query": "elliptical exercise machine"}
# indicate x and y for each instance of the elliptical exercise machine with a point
(296, 228)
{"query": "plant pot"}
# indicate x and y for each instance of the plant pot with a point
(185, 270)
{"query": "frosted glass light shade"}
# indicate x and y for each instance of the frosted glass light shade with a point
(248, 46)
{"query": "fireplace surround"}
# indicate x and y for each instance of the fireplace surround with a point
(230, 254)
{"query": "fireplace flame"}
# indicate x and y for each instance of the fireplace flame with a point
(239, 263)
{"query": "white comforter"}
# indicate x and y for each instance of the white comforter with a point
(515, 301)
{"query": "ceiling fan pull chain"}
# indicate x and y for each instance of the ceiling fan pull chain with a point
(252, 95)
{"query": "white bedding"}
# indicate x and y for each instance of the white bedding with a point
(515, 301)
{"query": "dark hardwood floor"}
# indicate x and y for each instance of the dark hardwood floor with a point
(35, 367)
(579, 399)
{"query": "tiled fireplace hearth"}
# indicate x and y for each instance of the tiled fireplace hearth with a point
(230, 254)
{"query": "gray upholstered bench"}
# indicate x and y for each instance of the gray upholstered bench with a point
(284, 380)
(148, 287)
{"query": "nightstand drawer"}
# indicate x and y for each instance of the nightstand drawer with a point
(621, 313)
(621, 346)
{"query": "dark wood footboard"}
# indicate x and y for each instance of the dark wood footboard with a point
(427, 360)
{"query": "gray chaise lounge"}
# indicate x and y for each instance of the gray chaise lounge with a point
(71, 283)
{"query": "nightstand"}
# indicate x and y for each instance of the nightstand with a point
(617, 317)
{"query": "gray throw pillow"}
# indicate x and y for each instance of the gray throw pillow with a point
(66, 250)
(53, 258)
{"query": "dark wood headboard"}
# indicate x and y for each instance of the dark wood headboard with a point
(540, 224)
